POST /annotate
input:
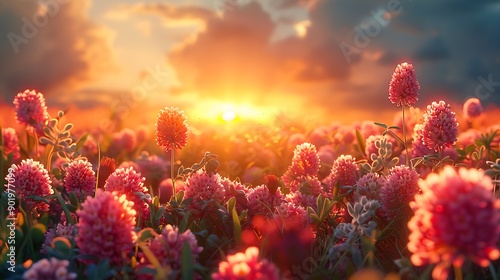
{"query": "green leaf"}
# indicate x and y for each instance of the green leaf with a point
(461, 152)
(470, 149)
(46, 141)
(68, 127)
(381, 124)
(361, 142)
(146, 234)
(81, 141)
(37, 233)
(74, 200)
(230, 204)
(187, 262)
(236, 225)
(478, 142)
(184, 222)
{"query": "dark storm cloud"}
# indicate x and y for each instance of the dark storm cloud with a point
(457, 46)
(47, 49)
(434, 49)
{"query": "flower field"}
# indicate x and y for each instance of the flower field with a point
(417, 199)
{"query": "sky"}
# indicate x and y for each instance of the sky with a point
(326, 59)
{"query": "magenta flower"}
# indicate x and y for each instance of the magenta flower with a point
(167, 248)
(125, 140)
(418, 149)
(440, 127)
(292, 215)
(345, 172)
(303, 200)
(303, 171)
(80, 178)
(403, 86)
(49, 269)
(153, 168)
(31, 110)
(246, 266)
(398, 190)
(106, 228)
(30, 178)
(305, 160)
(10, 143)
(306, 184)
(204, 186)
(472, 108)
(129, 182)
(262, 201)
(456, 217)
(171, 129)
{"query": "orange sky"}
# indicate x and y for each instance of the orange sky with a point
(256, 58)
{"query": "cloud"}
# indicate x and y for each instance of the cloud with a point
(50, 47)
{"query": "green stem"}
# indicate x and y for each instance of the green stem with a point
(172, 165)
(64, 207)
(404, 137)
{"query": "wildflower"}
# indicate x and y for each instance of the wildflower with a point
(31, 179)
(305, 184)
(125, 140)
(472, 108)
(303, 200)
(63, 229)
(166, 189)
(171, 129)
(398, 190)
(260, 200)
(344, 173)
(369, 185)
(31, 110)
(305, 160)
(80, 178)
(368, 128)
(237, 190)
(292, 215)
(129, 182)
(167, 248)
(49, 269)
(142, 133)
(456, 217)
(403, 86)
(106, 228)
(153, 168)
(418, 149)
(10, 143)
(440, 127)
(204, 186)
(243, 266)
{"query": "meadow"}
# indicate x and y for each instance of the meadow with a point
(414, 199)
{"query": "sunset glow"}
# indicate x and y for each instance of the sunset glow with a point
(228, 116)
(243, 139)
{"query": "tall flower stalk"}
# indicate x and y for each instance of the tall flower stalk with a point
(171, 133)
(403, 89)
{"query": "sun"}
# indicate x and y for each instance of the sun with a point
(228, 116)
